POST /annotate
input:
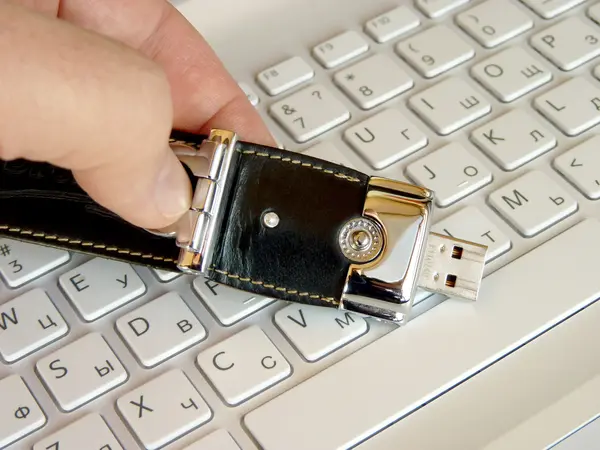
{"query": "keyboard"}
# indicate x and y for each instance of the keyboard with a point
(492, 104)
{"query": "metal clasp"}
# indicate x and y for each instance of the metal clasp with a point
(195, 232)
(385, 286)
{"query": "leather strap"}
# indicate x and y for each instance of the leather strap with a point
(299, 260)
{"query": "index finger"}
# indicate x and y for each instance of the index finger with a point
(204, 94)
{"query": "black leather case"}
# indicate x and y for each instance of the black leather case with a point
(299, 260)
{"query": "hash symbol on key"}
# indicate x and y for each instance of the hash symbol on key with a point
(4, 250)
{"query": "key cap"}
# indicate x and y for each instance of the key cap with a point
(449, 105)
(494, 22)
(568, 44)
(329, 152)
(550, 9)
(471, 224)
(532, 203)
(164, 276)
(100, 286)
(385, 138)
(219, 439)
(511, 74)
(451, 172)
(316, 333)
(392, 24)
(81, 371)
(573, 106)
(435, 51)
(21, 262)
(579, 165)
(20, 413)
(437, 8)
(243, 365)
(310, 112)
(89, 432)
(164, 409)
(594, 12)
(250, 94)
(340, 49)
(285, 75)
(28, 323)
(513, 139)
(373, 81)
(227, 304)
(160, 329)
(441, 348)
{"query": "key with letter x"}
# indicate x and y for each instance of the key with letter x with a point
(164, 409)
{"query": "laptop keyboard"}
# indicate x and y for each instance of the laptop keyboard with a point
(97, 354)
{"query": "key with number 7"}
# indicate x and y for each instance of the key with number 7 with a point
(310, 112)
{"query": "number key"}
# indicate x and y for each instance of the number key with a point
(21, 262)
(309, 113)
(373, 81)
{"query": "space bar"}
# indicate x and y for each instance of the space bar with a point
(410, 366)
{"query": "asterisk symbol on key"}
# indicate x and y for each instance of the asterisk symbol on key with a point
(350, 77)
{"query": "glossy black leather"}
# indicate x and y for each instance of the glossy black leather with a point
(299, 260)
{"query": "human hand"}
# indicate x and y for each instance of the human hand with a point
(96, 86)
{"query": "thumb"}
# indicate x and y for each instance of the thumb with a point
(89, 104)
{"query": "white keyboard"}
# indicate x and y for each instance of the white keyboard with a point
(495, 105)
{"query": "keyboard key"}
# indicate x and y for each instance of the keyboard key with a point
(435, 51)
(316, 333)
(100, 286)
(451, 172)
(550, 9)
(494, 22)
(21, 262)
(219, 439)
(89, 432)
(392, 24)
(568, 44)
(373, 81)
(532, 203)
(285, 75)
(20, 413)
(243, 365)
(227, 304)
(28, 323)
(594, 12)
(164, 276)
(437, 8)
(573, 106)
(513, 139)
(445, 346)
(81, 371)
(511, 74)
(385, 138)
(329, 152)
(160, 329)
(309, 113)
(252, 97)
(580, 164)
(449, 105)
(340, 49)
(164, 409)
(471, 224)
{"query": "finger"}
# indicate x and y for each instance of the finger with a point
(92, 105)
(204, 94)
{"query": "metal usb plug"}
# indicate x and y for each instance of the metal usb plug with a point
(452, 267)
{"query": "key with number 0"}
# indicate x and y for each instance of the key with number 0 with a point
(309, 113)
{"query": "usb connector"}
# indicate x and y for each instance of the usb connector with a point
(452, 267)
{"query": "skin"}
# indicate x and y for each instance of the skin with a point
(96, 86)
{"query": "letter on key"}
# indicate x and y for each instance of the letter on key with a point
(89, 432)
(243, 365)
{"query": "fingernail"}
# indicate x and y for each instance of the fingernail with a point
(173, 190)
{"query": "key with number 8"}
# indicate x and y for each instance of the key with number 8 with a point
(309, 112)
